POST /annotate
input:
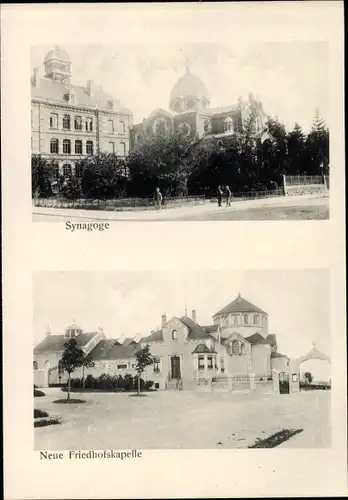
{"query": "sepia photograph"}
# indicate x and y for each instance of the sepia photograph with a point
(181, 132)
(165, 360)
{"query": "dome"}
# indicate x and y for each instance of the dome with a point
(189, 85)
(57, 53)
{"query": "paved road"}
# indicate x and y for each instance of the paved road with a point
(300, 208)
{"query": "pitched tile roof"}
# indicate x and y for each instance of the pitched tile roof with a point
(154, 337)
(110, 349)
(54, 343)
(256, 338)
(210, 328)
(128, 341)
(272, 338)
(195, 330)
(202, 349)
(52, 90)
(222, 109)
(239, 305)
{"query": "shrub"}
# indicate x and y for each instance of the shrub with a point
(40, 413)
(106, 382)
(37, 393)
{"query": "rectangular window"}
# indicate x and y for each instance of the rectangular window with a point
(89, 147)
(156, 365)
(53, 120)
(201, 362)
(67, 147)
(121, 367)
(66, 122)
(111, 147)
(78, 123)
(110, 126)
(210, 362)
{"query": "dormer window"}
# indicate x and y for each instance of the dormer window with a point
(174, 335)
(235, 347)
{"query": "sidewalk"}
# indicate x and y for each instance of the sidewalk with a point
(175, 213)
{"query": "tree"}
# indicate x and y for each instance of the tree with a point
(317, 145)
(103, 176)
(296, 158)
(308, 377)
(42, 176)
(73, 357)
(144, 358)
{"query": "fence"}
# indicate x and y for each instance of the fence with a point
(303, 180)
(118, 204)
(253, 195)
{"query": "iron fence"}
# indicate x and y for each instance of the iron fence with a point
(301, 180)
(118, 204)
(253, 195)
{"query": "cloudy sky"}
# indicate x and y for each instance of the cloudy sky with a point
(297, 301)
(291, 79)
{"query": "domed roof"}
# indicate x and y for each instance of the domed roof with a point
(189, 85)
(240, 305)
(57, 53)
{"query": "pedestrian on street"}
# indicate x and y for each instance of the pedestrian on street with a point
(158, 199)
(228, 196)
(219, 195)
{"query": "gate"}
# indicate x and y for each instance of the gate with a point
(284, 384)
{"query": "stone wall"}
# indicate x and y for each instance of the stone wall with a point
(303, 190)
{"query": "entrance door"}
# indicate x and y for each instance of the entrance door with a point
(175, 367)
(284, 385)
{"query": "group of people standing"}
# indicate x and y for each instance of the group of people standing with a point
(221, 192)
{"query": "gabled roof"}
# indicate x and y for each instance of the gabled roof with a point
(195, 331)
(128, 341)
(223, 109)
(54, 343)
(239, 305)
(210, 328)
(202, 349)
(159, 111)
(110, 349)
(52, 90)
(256, 338)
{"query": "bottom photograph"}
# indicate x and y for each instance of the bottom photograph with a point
(181, 359)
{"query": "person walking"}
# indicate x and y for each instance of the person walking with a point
(158, 198)
(219, 195)
(228, 196)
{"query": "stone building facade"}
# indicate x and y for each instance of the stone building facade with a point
(190, 113)
(70, 122)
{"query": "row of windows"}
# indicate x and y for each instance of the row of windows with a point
(245, 319)
(54, 147)
(201, 363)
(236, 348)
(111, 127)
(67, 122)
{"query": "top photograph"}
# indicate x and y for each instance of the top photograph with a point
(192, 132)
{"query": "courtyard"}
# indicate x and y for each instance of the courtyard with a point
(183, 420)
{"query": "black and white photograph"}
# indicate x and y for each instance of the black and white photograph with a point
(120, 361)
(198, 131)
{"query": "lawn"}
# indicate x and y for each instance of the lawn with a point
(183, 419)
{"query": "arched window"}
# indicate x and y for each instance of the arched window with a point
(228, 124)
(235, 347)
(122, 127)
(78, 123)
(174, 335)
(89, 147)
(67, 170)
(78, 171)
(35, 365)
(246, 319)
(66, 122)
(89, 125)
(53, 120)
(67, 146)
(78, 147)
(111, 147)
(54, 146)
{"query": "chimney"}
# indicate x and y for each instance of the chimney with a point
(35, 77)
(89, 87)
(194, 315)
(164, 319)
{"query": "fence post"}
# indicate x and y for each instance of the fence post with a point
(284, 184)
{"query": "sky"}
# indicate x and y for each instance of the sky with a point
(129, 303)
(290, 78)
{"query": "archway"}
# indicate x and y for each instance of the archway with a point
(295, 371)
